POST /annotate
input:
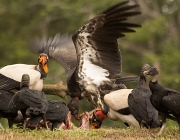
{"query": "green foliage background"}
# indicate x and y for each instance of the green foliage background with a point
(156, 43)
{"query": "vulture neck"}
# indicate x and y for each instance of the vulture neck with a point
(105, 109)
(154, 78)
(142, 81)
(24, 87)
(43, 69)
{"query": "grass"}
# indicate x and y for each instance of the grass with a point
(170, 133)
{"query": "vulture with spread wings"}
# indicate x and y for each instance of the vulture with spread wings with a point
(94, 58)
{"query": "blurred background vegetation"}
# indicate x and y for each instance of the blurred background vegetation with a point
(156, 43)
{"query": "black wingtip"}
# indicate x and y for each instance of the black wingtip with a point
(114, 6)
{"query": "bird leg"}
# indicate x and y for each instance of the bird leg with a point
(163, 124)
(1, 127)
(24, 124)
(10, 123)
(99, 103)
(45, 120)
(23, 112)
(178, 120)
(54, 125)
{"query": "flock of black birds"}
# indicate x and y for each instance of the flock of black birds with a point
(92, 60)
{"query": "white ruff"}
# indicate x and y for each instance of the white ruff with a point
(90, 74)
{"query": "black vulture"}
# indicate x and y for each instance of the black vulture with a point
(140, 105)
(165, 100)
(5, 97)
(10, 75)
(94, 58)
(57, 113)
(29, 102)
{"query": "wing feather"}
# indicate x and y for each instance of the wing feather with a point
(101, 34)
(7, 83)
(141, 107)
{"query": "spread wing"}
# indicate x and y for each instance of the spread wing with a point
(59, 48)
(96, 41)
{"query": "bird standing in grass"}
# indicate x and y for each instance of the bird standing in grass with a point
(140, 105)
(95, 58)
(5, 97)
(10, 75)
(56, 114)
(29, 102)
(165, 100)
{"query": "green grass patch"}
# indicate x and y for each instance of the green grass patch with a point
(170, 133)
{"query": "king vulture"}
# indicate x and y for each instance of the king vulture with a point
(10, 75)
(92, 57)
(116, 108)
(165, 100)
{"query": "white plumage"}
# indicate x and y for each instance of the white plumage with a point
(118, 100)
(16, 71)
(11, 74)
(98, 55)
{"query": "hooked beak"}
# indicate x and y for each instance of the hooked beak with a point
(146, 72)
(43, 60)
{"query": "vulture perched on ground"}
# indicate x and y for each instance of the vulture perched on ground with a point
(165, 100)
(56, 114)
(29, 102)
(93, 59)
(140, 105)
(10, 75)
(5, 97)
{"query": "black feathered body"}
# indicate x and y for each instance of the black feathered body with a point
(140, 105)
(30, 101)
(5, 97)
(56, 114)
(164, 99)
(57, 111)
